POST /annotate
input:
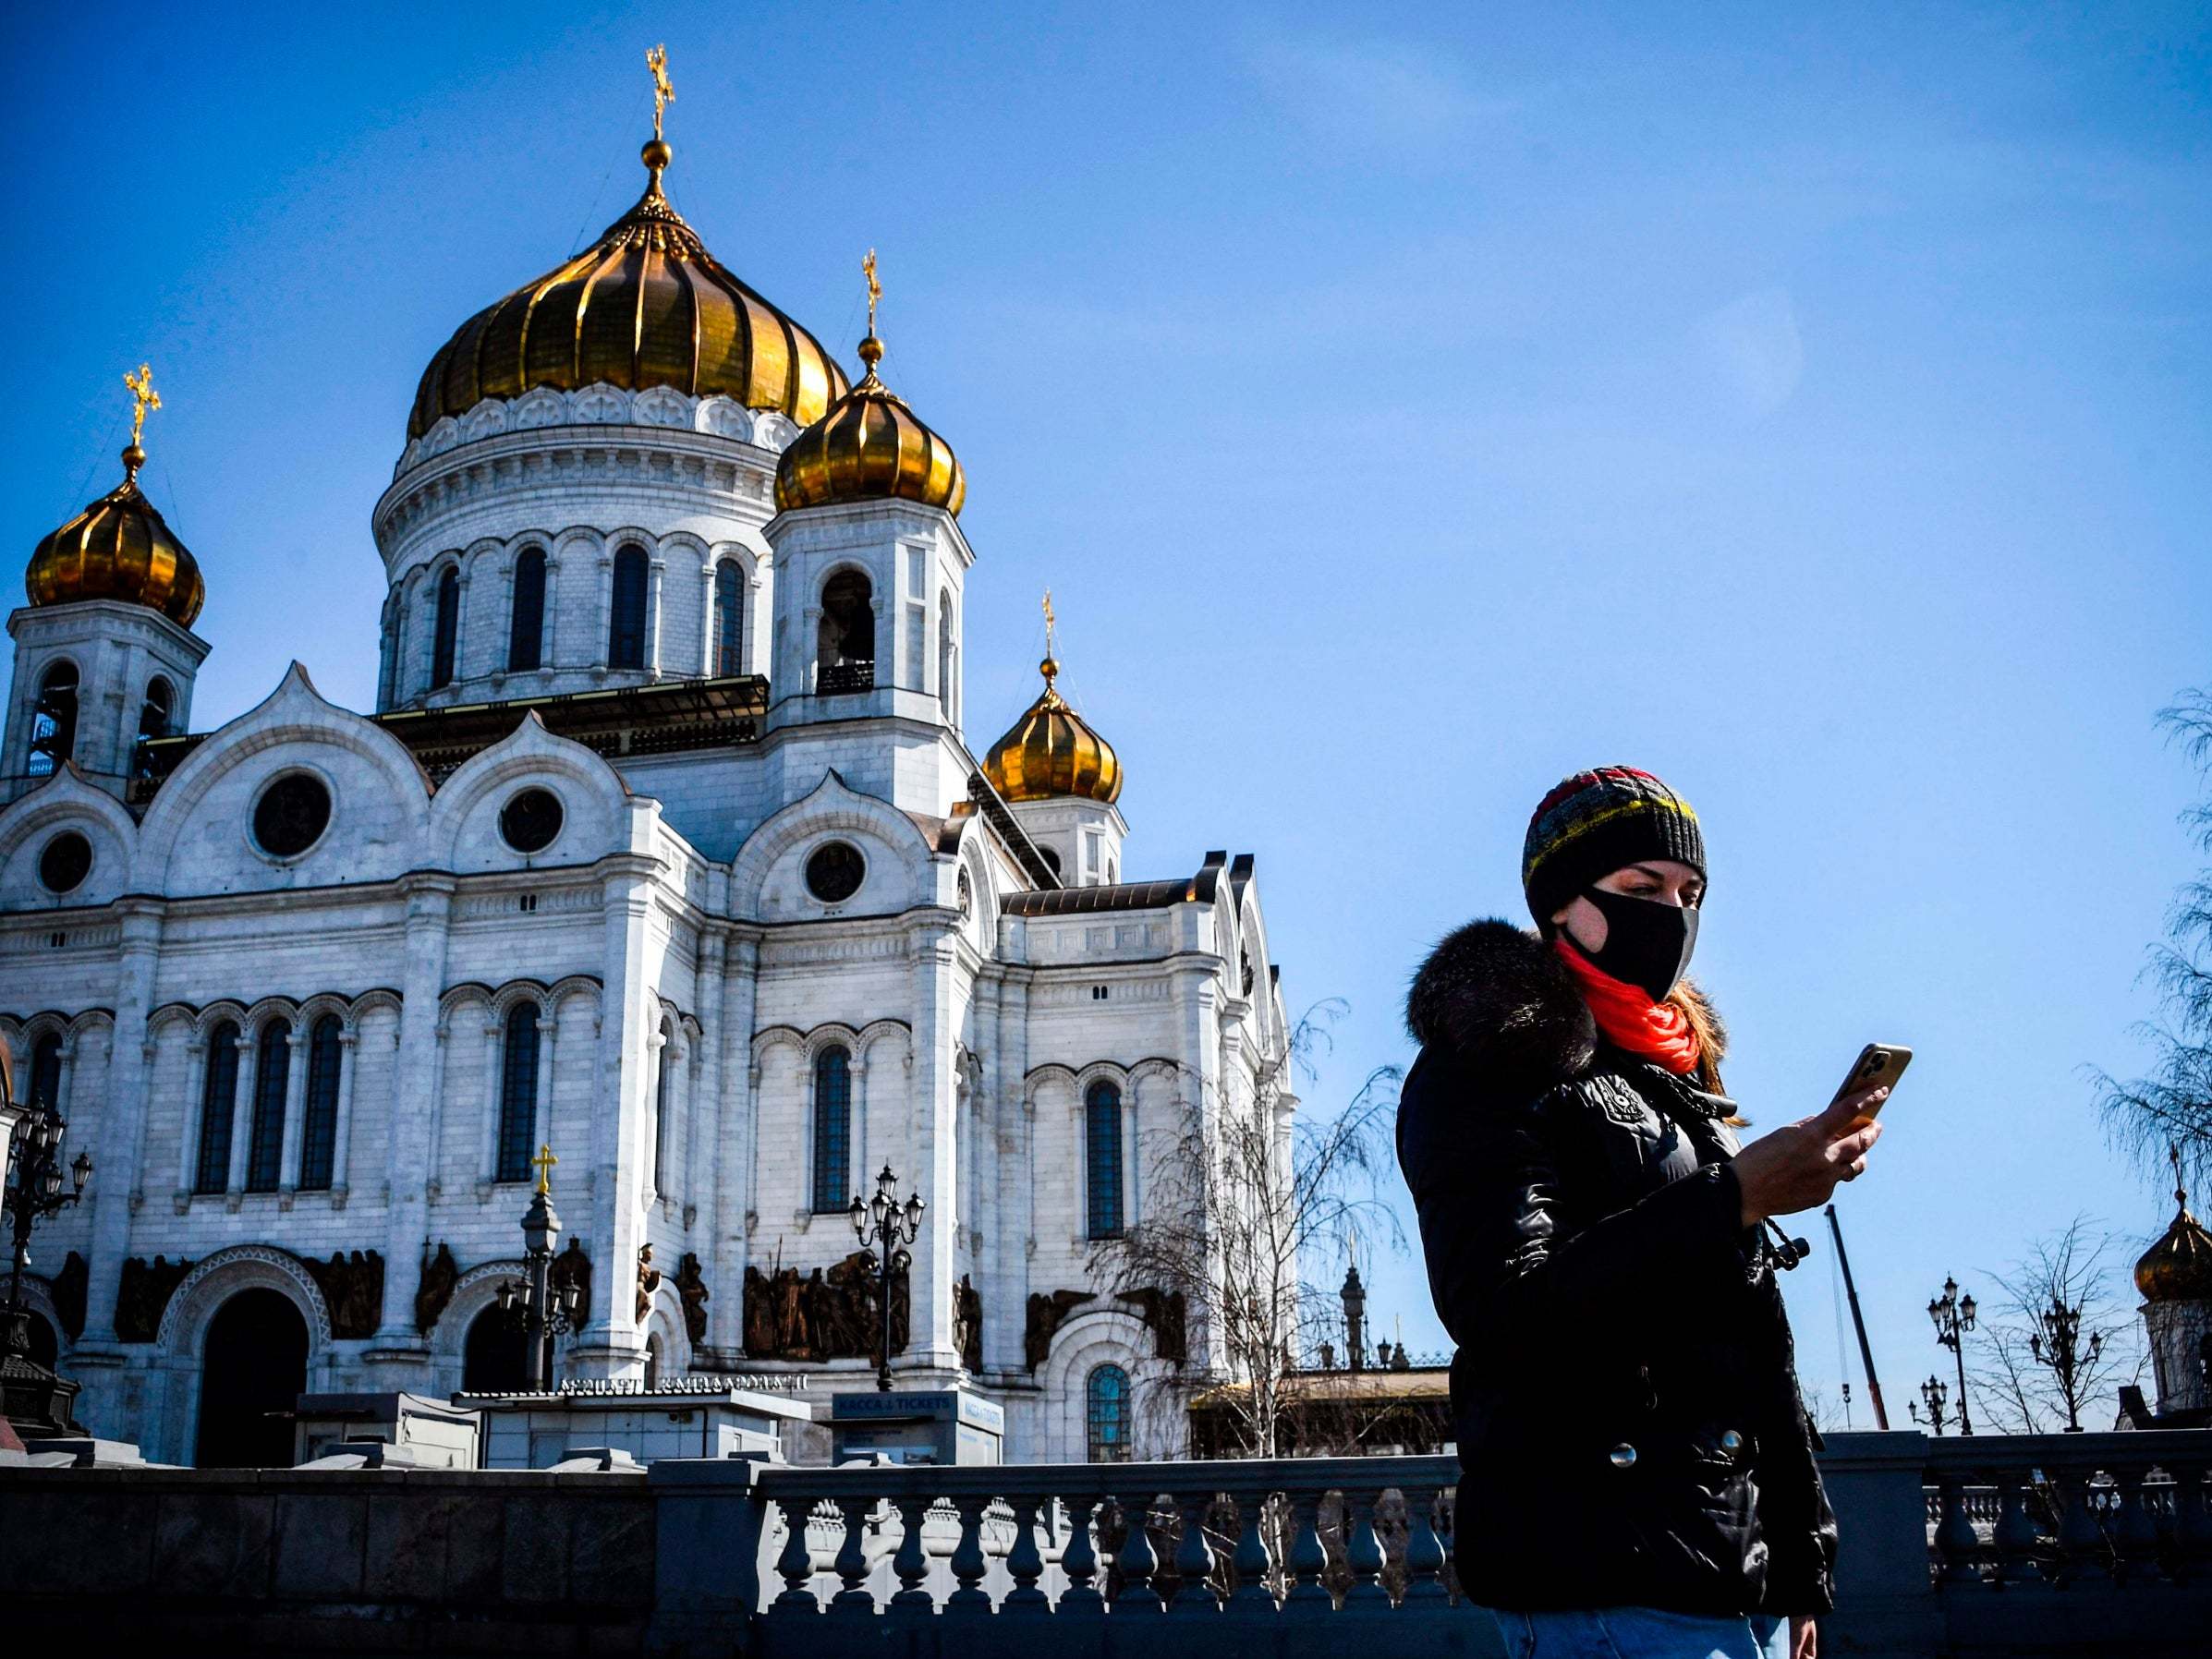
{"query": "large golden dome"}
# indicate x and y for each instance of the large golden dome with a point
(119, 548)
(1052, 752)
(646, 305)
(2179, 1267)
(868, 446)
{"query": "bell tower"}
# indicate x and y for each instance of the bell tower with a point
(105, 654)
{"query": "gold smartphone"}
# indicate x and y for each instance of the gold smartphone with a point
(1879, 1063)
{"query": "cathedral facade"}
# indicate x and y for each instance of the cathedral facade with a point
(665, 850)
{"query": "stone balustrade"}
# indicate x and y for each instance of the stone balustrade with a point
(2035, 1546)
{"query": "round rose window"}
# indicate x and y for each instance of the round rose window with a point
(833, 872)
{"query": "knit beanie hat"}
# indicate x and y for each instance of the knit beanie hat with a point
(1593, 823)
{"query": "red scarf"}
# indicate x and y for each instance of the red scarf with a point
(1658, 1031)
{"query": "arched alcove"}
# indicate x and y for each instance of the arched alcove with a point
(253, 1366)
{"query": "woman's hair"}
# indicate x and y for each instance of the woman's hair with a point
(1712, 1037)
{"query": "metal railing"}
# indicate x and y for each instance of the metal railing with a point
(838, 677)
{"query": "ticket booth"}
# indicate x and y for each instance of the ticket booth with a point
(931, 1425)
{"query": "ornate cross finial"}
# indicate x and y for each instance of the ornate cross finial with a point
(875, 288)
(543, 1163)
(1050, 621)
(663, 94)
(2180, 1189)
(144, 396)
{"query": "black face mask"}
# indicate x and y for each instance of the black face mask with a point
(1647, 944)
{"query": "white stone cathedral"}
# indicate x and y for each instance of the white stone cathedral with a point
(664, 848)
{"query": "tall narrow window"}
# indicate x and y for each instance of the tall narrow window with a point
(729, 617)
(45, 1071)
(626, 615)
(833, 1129)
(265, 1149)
(1106, 1415)
(1103, 1158)
(446, 632)
(656, 1179)
(948, 661)
(158, 709)
(218, 1100)
(54, 720)
(526, 621)
(319, 1123)
(518, 1094)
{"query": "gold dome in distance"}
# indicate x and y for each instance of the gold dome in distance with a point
(119, 547)
(2179, 1267)
(1052, 752)
(869, 446)
(646, 305)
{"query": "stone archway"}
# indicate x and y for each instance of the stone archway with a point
(496, 1354)
(254, 1367)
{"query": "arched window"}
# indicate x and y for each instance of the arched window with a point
(159, 709)
(495, 1355)
(318, 1122)
(272, 1068)
(656, 1177)
(846, 644)
(54, 720)
(1103, 1158)
(1106, 1415)
(518, 1094)
(626, 615)
(729, 617)
(218, 1100)
(45, 1071)
(652, 1361)
(446, 632)
(948, 661)
(833, 1129)
(526, 621)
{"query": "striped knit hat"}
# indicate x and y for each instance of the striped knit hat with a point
(1594, 822)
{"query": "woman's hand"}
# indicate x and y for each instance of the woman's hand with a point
(1798, 1166)
(1801, 1639)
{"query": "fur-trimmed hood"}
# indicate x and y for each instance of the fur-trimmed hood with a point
(1496, 996)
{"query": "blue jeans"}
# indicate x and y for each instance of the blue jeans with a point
(1641, 1633)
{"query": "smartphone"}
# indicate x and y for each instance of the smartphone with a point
(1879, 1063)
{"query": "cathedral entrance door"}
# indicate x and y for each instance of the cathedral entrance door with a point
(254, 1365)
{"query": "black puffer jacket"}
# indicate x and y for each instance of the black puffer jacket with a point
(1630, 1428)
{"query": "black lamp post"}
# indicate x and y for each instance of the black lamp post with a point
(1953, 1316)
(885, 1228)
(34, 1396)
(2056, 1342)
(1934, 1393)
(542, 1310)
(1354, 1297)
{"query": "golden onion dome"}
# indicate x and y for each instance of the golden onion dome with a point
(869, 446)
(2179, 1267)
(1052, 752)
(119, 548)
(646, 305)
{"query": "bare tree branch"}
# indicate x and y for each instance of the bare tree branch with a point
(2029, 1385)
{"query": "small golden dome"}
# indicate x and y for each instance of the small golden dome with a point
(1052, 752)
(2179, 1267)
(119, 548)
(869, 446)
(646, 305)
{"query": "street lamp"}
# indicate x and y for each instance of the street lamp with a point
(1953, 1315)
(2056, 1342)
(884, 1227)
(1934, 1393)
(543, 1309)
(34, 1396)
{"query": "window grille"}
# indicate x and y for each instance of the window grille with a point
(1103, 1158)
(319, 1123)
(446, 632)
(265, 1146)
(833, 1129)
(525, 621)
(729, 617)
(218, 1097)
(1106, 1415)
(518, 1094)
(626, 617)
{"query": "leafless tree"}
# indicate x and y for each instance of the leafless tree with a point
(1248, 1201)
(2030, 1376)
(2172, 1104)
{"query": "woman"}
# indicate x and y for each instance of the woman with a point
(1638, 1476)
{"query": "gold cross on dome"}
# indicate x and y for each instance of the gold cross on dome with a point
(143, 397)
(875, 288)
(543, 1163)
(1050, 622)
(656, 60)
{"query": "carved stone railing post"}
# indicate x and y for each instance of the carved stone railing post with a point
(1423, 1551)
(1136, 1559)
(1363, 1552)
(796, 1565)
(1955, 1542)
(851, 1565)
(2014, 1536)
(969, 1565)
(1253, 1594)
(2081, 1540)
(910, 1564)
(1194, 1560)
(1025, 1562)
(1079, 1563)
(1309, 1561)
(2135, 1530)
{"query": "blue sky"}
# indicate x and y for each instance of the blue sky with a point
(1407, 408)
